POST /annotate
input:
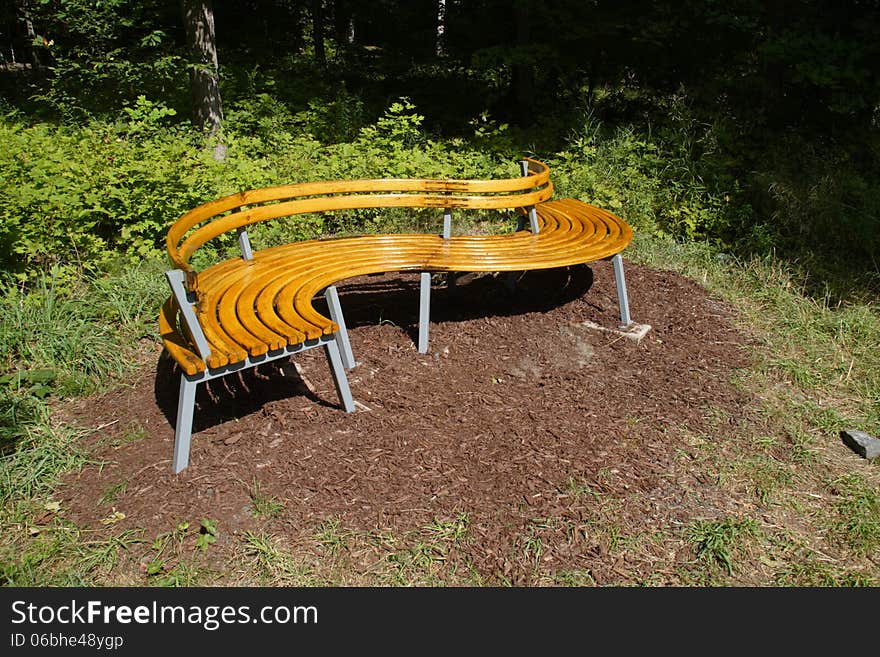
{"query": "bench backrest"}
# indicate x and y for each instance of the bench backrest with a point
(240, 210)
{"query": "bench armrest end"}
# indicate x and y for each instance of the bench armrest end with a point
(178, 280)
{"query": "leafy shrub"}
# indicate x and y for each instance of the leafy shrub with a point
(660, 184)
(74, 198)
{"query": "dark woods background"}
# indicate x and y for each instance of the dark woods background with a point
(767, 110)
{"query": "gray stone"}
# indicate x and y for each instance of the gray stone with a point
(861, 443)
(634, 332)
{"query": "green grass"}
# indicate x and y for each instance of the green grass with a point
(450, 531)
(809, 572)
(61, 554)
(262, 505)
(331, 536)
(782, 480)
(133, 433)
(272, 564)
(42, 451)
(856, 519)
(109, 496)
(717, 542)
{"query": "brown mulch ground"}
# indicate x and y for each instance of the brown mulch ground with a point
(515, 401)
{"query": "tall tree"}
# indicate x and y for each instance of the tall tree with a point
(25, 12)
(318, 31)
(440, 46)
(343, 16)
(523, 68)
(198, 20)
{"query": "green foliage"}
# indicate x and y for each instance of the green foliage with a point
(653, 182)
(75, 198)
(718, 541)
(399, 129)
(263, 505)
(145, 116)
(207, 534)
(31, 382)
(857, 521)
(99, 54)
(73, 195)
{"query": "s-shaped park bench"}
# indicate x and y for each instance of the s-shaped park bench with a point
(256, 308)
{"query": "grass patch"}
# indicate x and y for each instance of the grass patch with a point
(450, 531)
(718, 542)
(813, 573)
(856, 520)
(42, 452)
(132, 434)
(274, 565)
(331, 536)
(262, 505)
(113, 492)
(61, 555)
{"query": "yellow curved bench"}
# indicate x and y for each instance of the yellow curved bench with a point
(245, 311)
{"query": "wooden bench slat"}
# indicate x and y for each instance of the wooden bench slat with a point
(262, 213)
(177, 346)
(539, 176)
(251, 307)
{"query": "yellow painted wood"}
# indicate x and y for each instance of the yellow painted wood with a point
(252, 307)
(177, 346)
(351, 194)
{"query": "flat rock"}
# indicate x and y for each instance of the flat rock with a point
(634, 332)
(861, 443)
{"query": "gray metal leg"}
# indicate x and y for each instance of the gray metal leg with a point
(622, 299)
(533, 214)
(186, 402)
(342, 335)
(533, 220)
(424, 310)
(511, 279)
(335, 359)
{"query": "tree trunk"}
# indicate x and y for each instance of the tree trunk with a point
(318, 32)
(198, 20)
(343, 18)
(440, 45)
(25, 12)
(524, 71)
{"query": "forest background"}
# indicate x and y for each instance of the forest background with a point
(742, 131)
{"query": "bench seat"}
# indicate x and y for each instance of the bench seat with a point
(253, 307)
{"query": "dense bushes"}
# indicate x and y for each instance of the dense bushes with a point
(77, 197)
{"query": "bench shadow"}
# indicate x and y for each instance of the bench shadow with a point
(394, 298)
(236, 395)
(367, 301)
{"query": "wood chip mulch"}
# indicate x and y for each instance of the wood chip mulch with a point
(515, 406)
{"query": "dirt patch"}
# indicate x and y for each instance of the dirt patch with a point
(515, 411)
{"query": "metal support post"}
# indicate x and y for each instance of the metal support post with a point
(622, 299)
(176, 279)
(447, 223)
(533, 214)
(424, 310)
(331, 348)
(342, 335)
(183, 429)
(244, 242)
